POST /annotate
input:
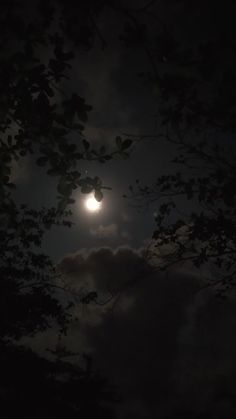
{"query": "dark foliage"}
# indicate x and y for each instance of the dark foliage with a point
(39, 119)
(193, 76)
(33, 387)
(43, 119)
(194, 83)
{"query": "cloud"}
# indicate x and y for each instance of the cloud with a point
(168, 348)
(126, 217)
(106, 267)
(126, 235)
(110, 231)
(105, 232)
(135, 338)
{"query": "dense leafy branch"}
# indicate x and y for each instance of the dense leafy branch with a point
(204, 192)
(195, 202)
(41, 116)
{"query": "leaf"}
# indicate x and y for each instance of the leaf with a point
(126, 144)
(62, 205)
(118, 142)
(98, 195)
(97, 182)
(108, 157)
(86, 188)
(64, 188)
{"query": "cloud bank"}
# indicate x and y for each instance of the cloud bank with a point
(168, 349)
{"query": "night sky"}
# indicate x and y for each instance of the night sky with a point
(165, 346)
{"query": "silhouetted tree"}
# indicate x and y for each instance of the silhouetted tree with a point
(32, 386)
(195, 86)
(39, 119)
(42, 119)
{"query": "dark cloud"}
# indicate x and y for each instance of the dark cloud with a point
(167, 347)
(135, 341)
(106, 267)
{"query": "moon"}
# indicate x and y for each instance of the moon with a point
(92, 205)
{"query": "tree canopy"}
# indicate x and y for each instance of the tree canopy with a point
(39, 119)
(192, 75)
(194, 82)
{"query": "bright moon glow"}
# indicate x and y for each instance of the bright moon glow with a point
(92, 205)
